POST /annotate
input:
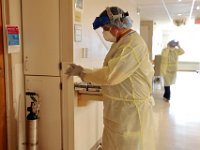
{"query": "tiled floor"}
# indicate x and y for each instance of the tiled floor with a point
(178, 122)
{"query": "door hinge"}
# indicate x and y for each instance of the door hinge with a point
(60, 65)
(60, 85)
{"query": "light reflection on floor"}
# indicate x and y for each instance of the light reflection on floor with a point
(178, 122)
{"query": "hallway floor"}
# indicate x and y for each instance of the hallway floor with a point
(178, 122)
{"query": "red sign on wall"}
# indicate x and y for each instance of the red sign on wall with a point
(197, 20)
(13, 38)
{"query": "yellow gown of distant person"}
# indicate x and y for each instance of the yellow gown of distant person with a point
(169, 62)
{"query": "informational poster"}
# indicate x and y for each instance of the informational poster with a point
(77, 15)
(78, 32)
(79, 4)
(78, 10)
(13, 39)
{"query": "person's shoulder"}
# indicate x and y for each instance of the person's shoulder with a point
(165, 49)
(129, 38)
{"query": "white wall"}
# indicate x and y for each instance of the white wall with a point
(157, 44)
(188, 37)
(89, 119)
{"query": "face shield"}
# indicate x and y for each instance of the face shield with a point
(100, 21)
(106, 44)
(113, 16)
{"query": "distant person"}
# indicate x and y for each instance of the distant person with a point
(169, 60)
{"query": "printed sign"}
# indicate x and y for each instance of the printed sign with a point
(78, 32)
(13, 39)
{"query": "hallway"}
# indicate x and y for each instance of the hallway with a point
(178, 122)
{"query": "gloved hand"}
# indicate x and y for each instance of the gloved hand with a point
(74, 70)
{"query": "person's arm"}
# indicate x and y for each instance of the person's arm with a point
(179, 50)
(118, 69)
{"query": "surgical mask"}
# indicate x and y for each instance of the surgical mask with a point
(109, 37)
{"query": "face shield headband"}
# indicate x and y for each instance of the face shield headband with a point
(100, 21)
(113, 17)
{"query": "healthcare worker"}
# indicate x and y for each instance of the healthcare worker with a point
(126, 81)
(169, 60)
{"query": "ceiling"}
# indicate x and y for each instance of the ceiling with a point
(165, 11)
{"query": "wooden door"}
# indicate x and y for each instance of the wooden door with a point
(146, 31)
(3, 129)
(49, 124)
(41, 37)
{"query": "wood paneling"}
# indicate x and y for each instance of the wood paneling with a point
(3, 133)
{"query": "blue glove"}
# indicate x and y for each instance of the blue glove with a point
(74, 70)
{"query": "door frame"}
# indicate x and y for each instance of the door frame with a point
(11, 143)
(3, 120)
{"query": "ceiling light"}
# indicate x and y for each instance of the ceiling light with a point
(179, 0)
(179, 21)
(179, 14)
(198, 7)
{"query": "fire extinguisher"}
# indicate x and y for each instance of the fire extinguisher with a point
(32, 122)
